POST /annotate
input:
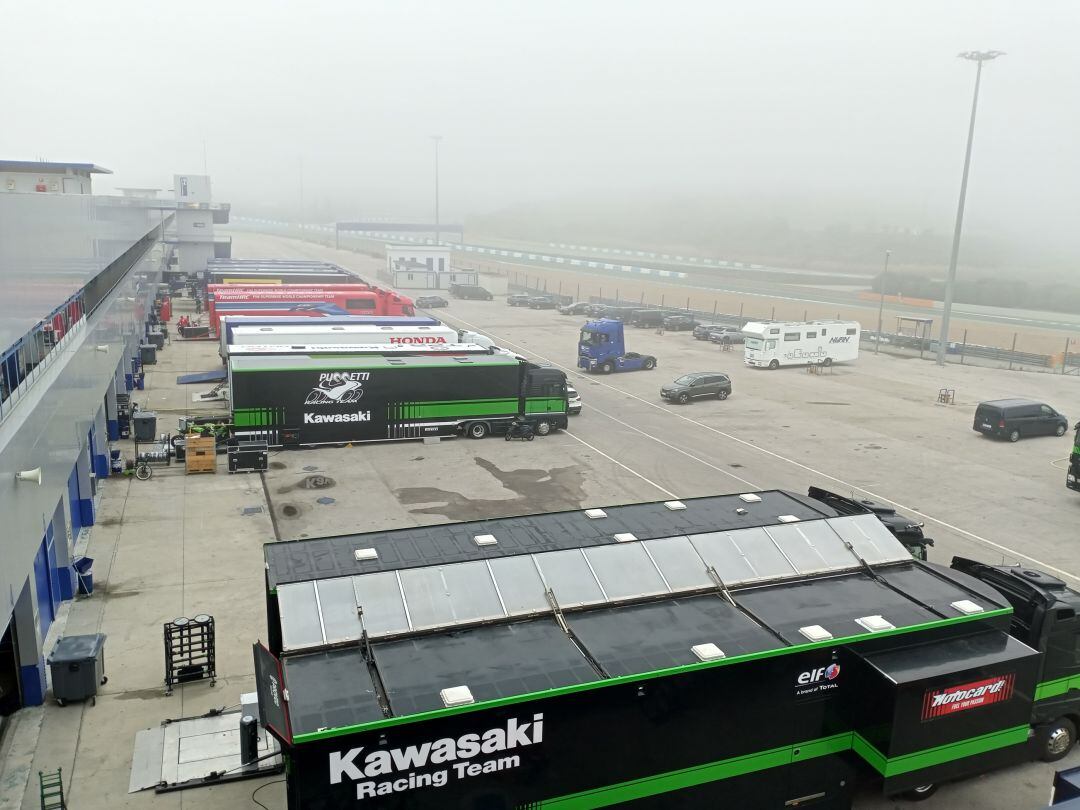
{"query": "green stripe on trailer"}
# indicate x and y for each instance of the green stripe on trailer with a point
(636, 678)
(468, 407)
(661, 783)
(1059, 686)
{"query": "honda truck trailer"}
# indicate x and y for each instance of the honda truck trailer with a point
(749, 651)
(294, 398)
(228, 323)
(355, 334)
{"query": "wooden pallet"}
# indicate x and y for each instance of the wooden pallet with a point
(200, 454)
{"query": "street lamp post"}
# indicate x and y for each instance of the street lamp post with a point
(881, 305)
(437, 138)
(943, 338)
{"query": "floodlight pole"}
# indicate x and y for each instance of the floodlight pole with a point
(943, 338)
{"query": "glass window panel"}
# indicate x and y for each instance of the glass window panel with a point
(743, 555)
(338, 602)
(520, 584)
(871, 540)
(299, 615)
(379, 596)
(427, 596)
(680, 564)
(568, 575)
(812, 546)
(625, 570)
(472, 591)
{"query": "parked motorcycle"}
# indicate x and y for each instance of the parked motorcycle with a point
(520, 430)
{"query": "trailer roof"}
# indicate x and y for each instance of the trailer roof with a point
(335, 362)
(385, 349)
(325, 557)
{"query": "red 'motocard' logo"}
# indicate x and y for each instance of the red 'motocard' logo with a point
(941, 702)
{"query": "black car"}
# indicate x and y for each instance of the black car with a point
(518, 300)
(576, 308)
(679, 323)
(542, 302)
(1014, 419)
(647, 318)
(697, 386)
(470, 291)
(431, 301)
(726, 334)
(701, 331)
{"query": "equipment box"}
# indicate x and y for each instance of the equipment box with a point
(148, 354)
(145, 426)
(77, 666)
(248, 457)
(200, 453)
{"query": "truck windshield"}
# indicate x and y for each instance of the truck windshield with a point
(752, 343)
(593, 338)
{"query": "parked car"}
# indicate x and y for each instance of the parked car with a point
(573, 399)
(576, 308)
(701, 331)
(431, 301)
(679, 323)
(518, 300)
(470, 291)
(1015, 419)
(697, 386)
(542, 302)
(726, 334)
(647, 318)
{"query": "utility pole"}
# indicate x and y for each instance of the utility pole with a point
(437, 138)
(943, 338)
(881, 306)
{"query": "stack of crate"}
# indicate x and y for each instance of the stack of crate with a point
(200, 453)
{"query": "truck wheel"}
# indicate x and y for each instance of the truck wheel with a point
(543, 428)
(684, 398)
(1014, 436)
(774, 365)
(649, 364)
(1056, 739)
(607, 368)
(477, 430)
(920, 793)
(827, 362)
(722, 394)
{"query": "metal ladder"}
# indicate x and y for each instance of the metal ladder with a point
(52, 790)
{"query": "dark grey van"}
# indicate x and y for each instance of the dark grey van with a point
(1016, 419)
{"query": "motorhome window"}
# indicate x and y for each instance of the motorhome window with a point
(774, 331)
(852, 331)
(824, 332)
(792, 336)
(811, 335)
(359, 303)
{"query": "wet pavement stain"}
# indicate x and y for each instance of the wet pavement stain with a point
(309, 482)
(535, 490)
(277, 465)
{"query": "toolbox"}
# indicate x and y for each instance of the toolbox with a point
(248, 457)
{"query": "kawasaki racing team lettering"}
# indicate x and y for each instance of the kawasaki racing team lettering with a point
(941, 702)
(384, 771)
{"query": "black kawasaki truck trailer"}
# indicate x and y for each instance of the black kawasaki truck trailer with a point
(309, 399)
(745, 651)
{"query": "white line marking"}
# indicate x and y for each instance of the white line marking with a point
(630, 470)
(971, 535)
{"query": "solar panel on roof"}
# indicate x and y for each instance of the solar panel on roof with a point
(812, 546)
(870, 539)
(745, 555)
(301, 623)
(379, 597)
(625, 571)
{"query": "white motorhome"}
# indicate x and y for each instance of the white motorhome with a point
(771, 344)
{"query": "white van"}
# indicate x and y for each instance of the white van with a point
(771, 345)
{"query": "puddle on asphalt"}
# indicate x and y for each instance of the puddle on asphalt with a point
(535, 490)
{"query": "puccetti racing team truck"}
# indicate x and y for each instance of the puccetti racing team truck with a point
(290, 398)
(744, 651)
(771, 345)
(1072, 477)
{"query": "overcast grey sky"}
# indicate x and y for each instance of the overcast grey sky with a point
(807, 107)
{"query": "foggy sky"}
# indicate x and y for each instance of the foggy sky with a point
(814, 110)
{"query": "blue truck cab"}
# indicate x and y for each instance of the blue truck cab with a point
(601, 347)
